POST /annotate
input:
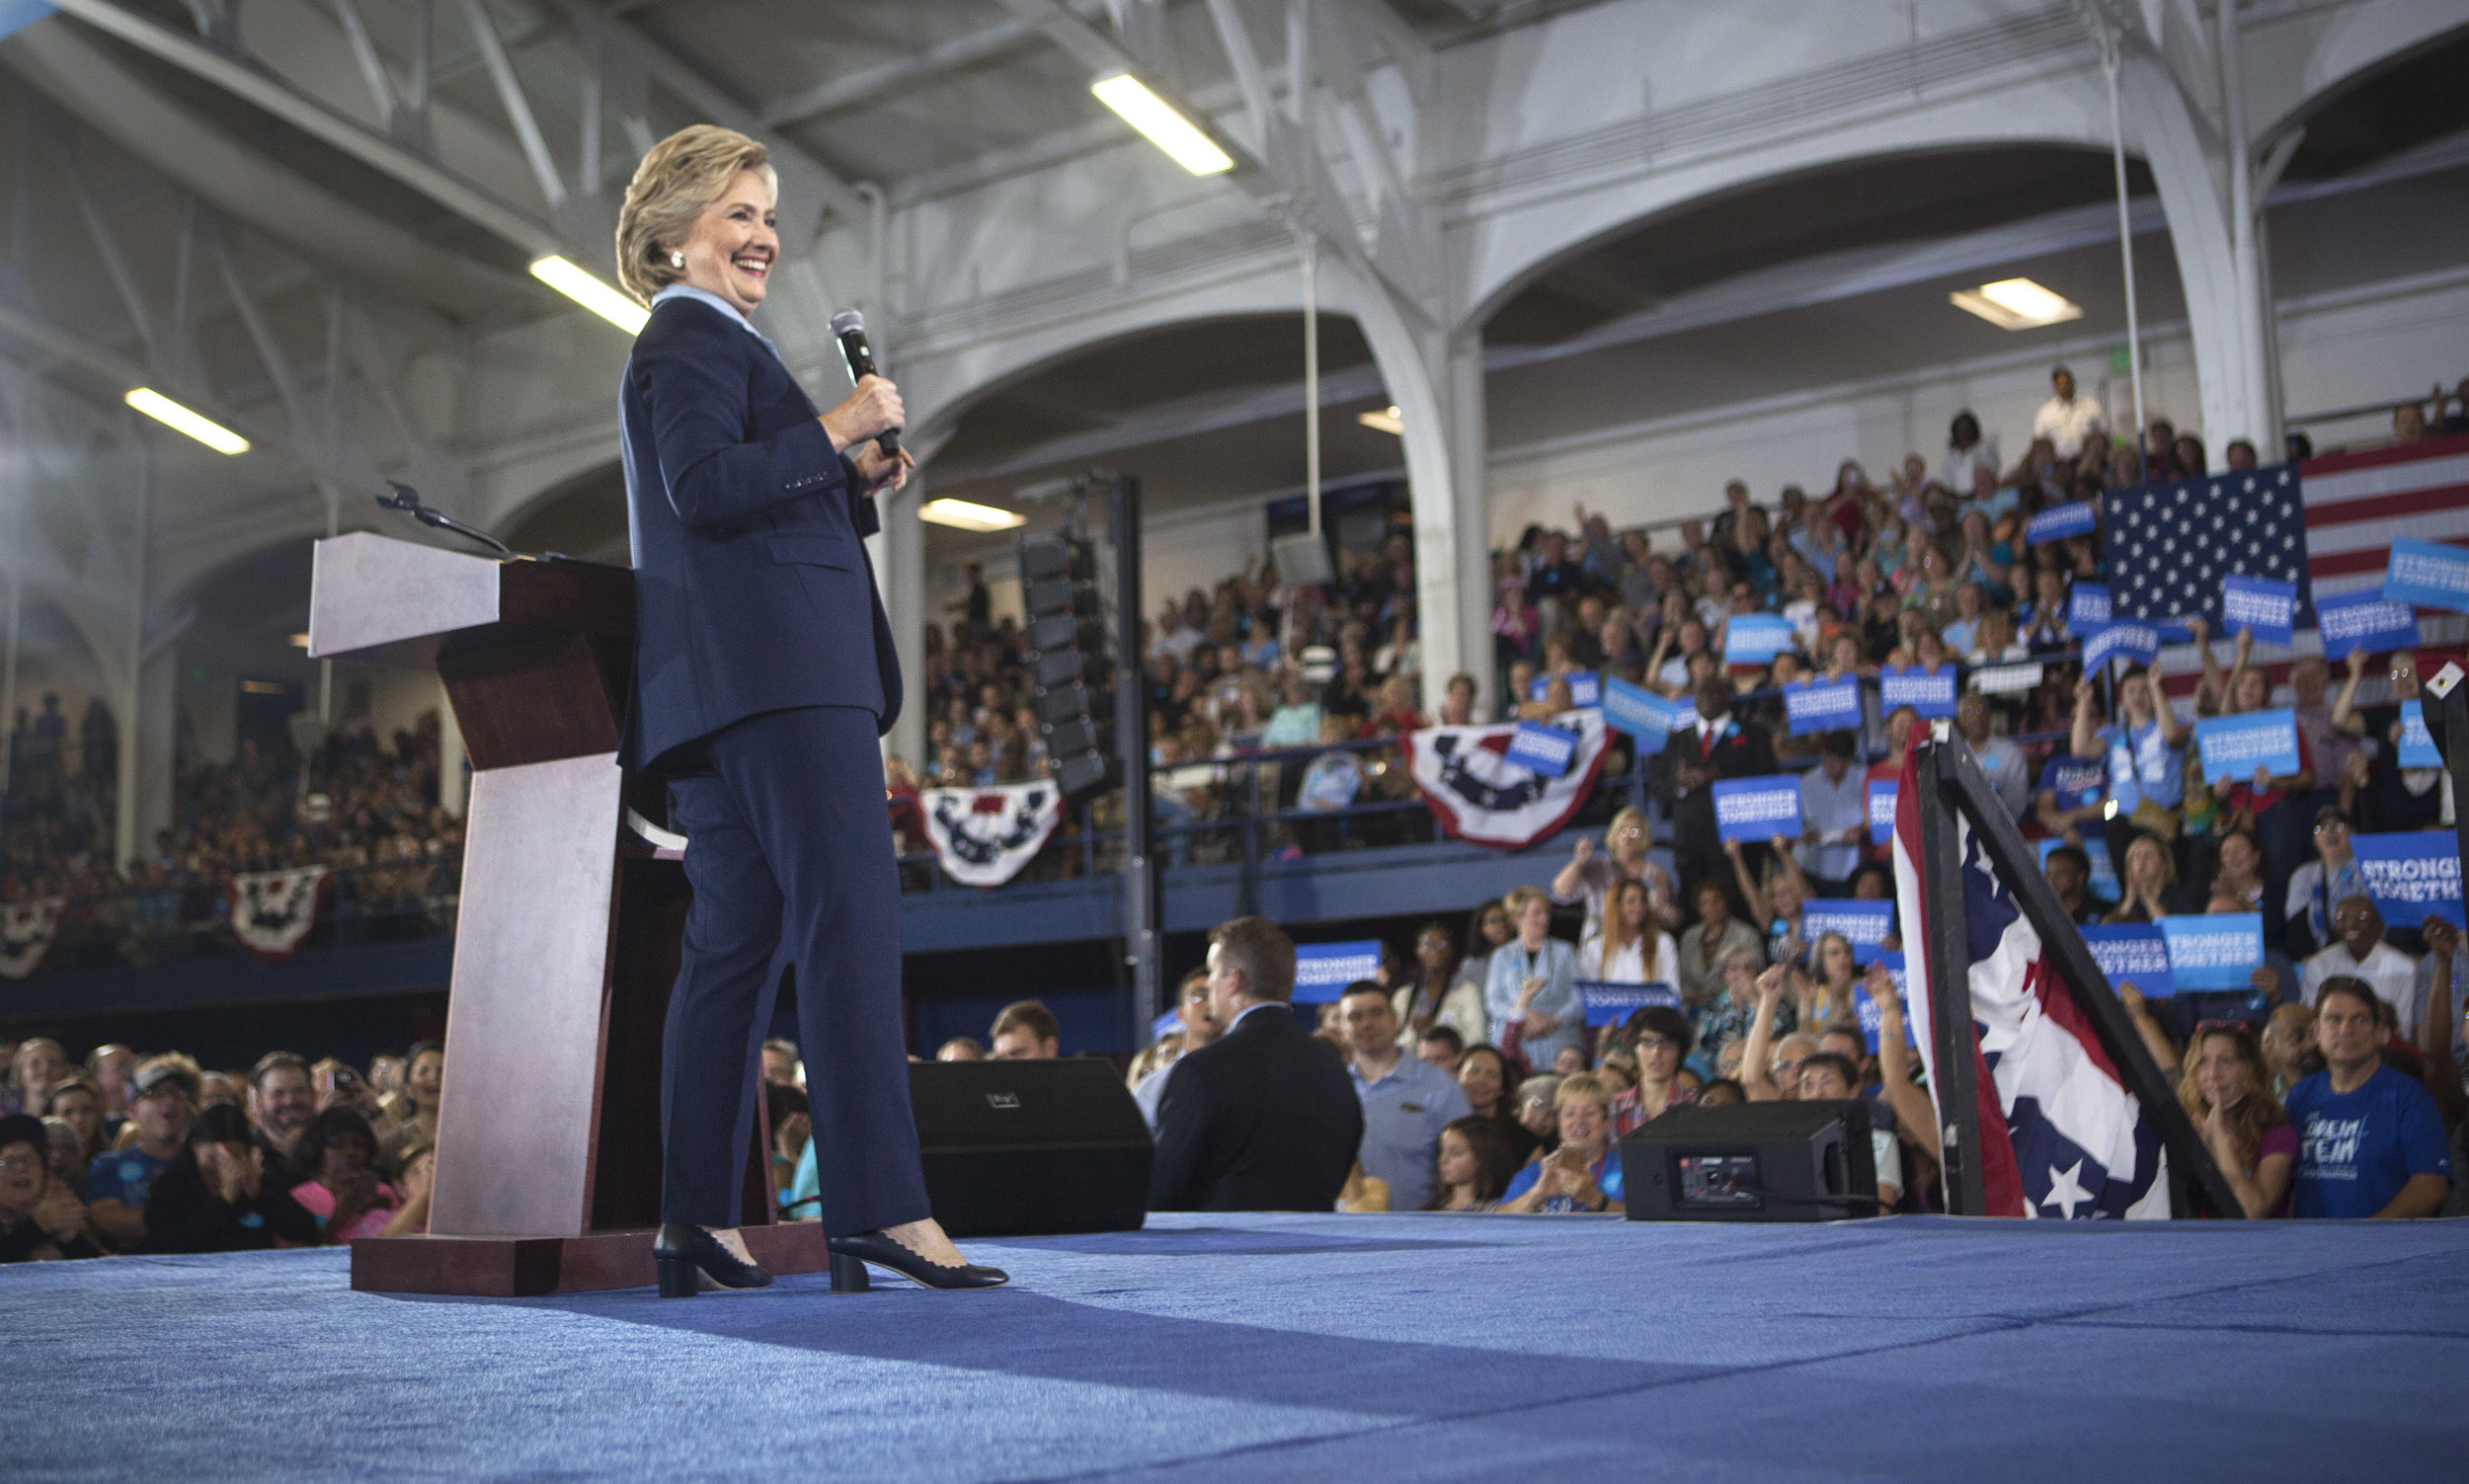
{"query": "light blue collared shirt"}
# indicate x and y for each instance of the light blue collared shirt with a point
(690, 292)
(1402, 1116)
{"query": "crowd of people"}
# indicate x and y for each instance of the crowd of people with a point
(1471, 1078)
(155, 1155)
(368, 808)
(1481, 1085)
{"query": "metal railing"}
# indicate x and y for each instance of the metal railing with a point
(384, 901)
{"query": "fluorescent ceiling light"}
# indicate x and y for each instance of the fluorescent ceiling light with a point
(2017, 305)
(970, 517)
(1386, 420)
(171, 414)
(591, 294)
(1157, 118)
(299, 641)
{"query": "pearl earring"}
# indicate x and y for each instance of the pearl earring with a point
(676, 260)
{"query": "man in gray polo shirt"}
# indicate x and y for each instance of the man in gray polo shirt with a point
(1406, 1101)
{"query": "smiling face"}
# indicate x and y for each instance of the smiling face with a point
(1480, 1078)
(1586, 1124)
(23, 1172)
(734, 244)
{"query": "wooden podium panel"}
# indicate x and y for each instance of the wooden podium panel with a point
(566, 947)
(523, 1020)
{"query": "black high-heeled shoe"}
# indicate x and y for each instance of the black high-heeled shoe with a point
(681, 1251)
(874, 1247)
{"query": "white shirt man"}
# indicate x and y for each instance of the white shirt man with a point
(2390, 973)
(2065, 419)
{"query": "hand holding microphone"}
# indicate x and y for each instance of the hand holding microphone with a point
(876, 411)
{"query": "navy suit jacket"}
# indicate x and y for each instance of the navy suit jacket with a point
(754, 591)
(1264, 1118)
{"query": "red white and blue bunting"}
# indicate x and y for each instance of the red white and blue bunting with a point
(985, 835)
(273, 911)
(25, 932)
(1481, 797)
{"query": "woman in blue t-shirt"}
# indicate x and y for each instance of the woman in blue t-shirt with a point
(1584, 1173)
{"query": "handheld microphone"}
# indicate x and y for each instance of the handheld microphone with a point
(849, 328)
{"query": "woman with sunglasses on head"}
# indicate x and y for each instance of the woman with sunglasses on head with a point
(2227, 1090)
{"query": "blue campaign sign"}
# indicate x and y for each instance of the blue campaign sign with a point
(2136, 642)
(2214, 951)
(1542, 750)
(1864, 924)
(1755, 638)
(2234, 746)
(1881, 792)
(2364, 621)
(1323, 970)
(1929, 695)
(2133, 953)
(1609, 1004)
(2076, 517)
(1823, 705)
(1585, 687)
(1865, 1010)
(1757, 809)
(2417, 749)
(2412, 876)
(2268, 607)
(1642, 713)
(2087, 606)
(2103, 881)
(2430, 574)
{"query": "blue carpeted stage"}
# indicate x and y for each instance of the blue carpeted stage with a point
(1355, 1348)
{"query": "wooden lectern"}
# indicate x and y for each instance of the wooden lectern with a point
(566, 948)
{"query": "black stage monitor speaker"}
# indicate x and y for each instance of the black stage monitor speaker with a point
(1752, 1162)
(1031, 1148)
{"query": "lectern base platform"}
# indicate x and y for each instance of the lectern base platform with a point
(486, 1267)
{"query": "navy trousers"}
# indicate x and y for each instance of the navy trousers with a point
(789, 852)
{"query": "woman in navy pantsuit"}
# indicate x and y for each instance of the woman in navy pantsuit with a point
(763, 675)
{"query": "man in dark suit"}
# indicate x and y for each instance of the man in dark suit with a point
(1264, 1118)
(1718, 745)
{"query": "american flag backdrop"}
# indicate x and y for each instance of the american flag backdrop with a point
(2355, 506)
(2168, 546)
(2357, 503)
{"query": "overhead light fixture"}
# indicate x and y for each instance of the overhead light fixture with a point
(1386, 420)
(171, 414)
(2017, 305)
(299, 641)
(1157, 121)
(591, 294)
(969, 515)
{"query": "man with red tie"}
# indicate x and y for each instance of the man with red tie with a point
(1718, 745)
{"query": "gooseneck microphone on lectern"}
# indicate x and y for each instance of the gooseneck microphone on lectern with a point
(849, 328)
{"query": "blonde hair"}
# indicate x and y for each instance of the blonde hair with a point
(682, 176)
(1585, 1086)
(1519, 898)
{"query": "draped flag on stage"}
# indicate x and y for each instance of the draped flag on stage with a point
(985, 835)
(26, 931)
(2061, 1136)
(273, 911)
(1481, 797)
